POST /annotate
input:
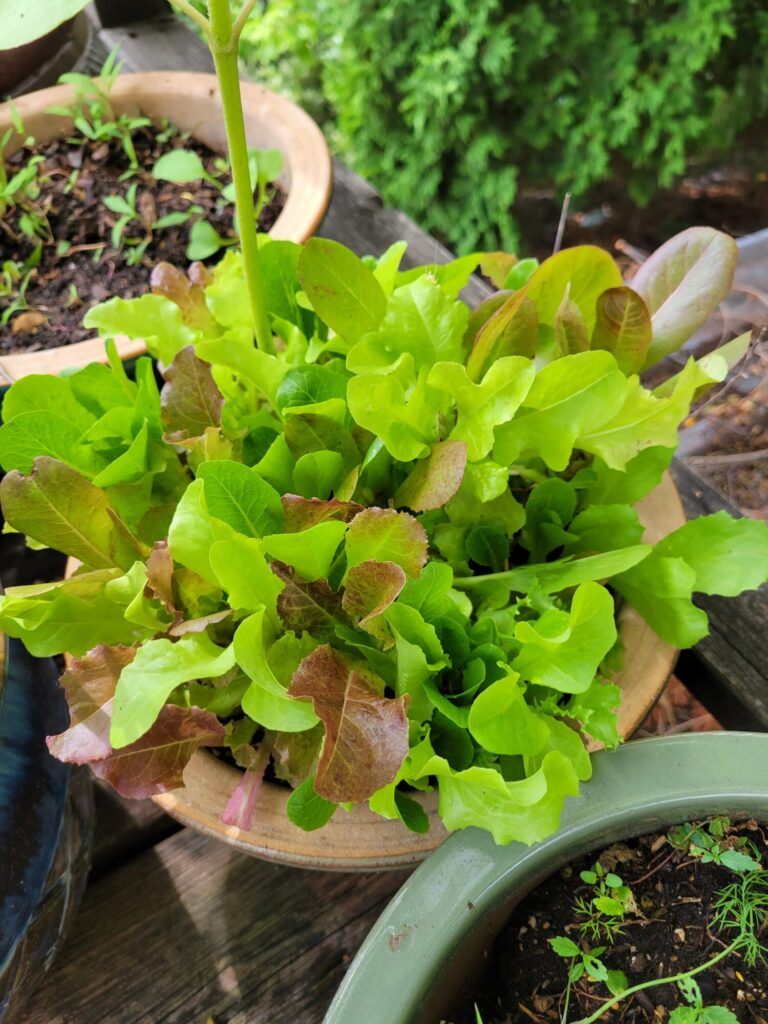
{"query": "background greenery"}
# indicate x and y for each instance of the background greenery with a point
(447, 105)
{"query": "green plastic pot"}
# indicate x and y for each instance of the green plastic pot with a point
(429, 942)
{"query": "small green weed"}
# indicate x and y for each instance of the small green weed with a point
(604, 910)
(712, 843)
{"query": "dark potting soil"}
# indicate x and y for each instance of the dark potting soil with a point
(731, 197)
(728, 435)
(64, 287)
(525, 980)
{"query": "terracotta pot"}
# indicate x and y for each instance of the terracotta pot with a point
(46, 824)
(362, 841)
(430, 943)
(192, 103)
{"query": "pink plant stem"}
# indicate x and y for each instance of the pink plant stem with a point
(242, 803)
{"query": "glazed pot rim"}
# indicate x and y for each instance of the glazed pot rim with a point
(643, 785)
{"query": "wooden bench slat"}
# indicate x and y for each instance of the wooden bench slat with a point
(728, 670)
(193, 930)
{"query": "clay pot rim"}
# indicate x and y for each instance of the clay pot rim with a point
(643, 786)
(308, 172)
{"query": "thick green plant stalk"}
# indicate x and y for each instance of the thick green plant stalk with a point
(223, 37)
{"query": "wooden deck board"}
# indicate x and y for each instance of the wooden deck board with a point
(728, 670)
(193, 930)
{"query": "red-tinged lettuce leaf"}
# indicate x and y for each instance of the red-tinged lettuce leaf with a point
(58, 507)
(683, 283)
(511, 331)
(160, 577)
(366, 734)
(584, 272)
(296, 754)
(482, 314)
(200, 624)
(301, 513)
(371, 587)
(89, 686)
(307, 607)
(496, 266)
(155, 763)
(570, 330)
(186, 290)
(434, 480)
(384, 535)
(190, 399)
(623, 327)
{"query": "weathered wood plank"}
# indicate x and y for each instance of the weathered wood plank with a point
(728, 670)
(358, 218)
(195, 930)
(163, 43)
(125, 828)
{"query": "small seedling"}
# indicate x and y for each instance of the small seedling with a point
(607, 906)
(127, 209)
(711, 843)
(14, 280)
(184, 166)
(741, 906)
(93, 116)
(588, 964)
(696, 1012)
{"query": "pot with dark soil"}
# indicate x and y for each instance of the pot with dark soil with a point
(106, 180)
(467, 938)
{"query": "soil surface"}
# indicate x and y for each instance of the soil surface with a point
(733, 198)
(727, 437)
(674, 892)
(65, 285)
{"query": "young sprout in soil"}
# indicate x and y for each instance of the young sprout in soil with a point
(14, 280)
(712, 844)
(22, 189)
(93, 115)
(741, 907)
(604, 911)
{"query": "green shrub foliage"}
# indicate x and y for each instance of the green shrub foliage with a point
(447, 105)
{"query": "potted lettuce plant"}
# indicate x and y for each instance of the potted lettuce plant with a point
(378, 550)
(386, 555)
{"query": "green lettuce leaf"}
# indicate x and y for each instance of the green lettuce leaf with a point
(152, 317)
(420, 320)
(501, 721)
(564, 653)
(157, 669)
(341, 288)
(481, 407)
(569, 398)
(266, 700)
